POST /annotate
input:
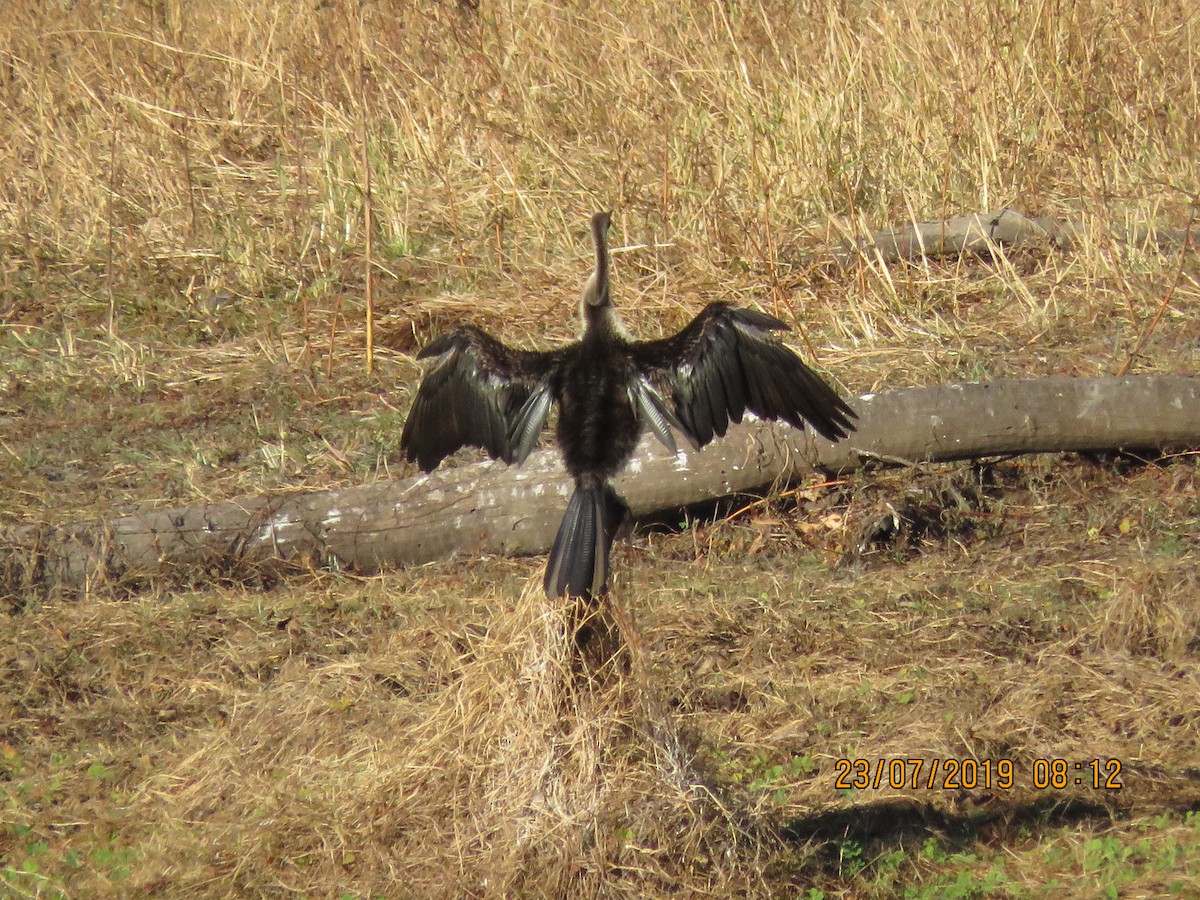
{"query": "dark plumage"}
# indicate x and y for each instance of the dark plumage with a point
(608, 388)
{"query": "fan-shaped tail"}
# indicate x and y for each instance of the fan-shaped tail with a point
(578, 565)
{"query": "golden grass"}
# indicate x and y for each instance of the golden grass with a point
(216, 149)
(182, 267)
(428, 733)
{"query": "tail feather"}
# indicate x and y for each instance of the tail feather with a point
(578, 565)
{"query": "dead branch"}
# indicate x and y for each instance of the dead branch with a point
(983, 233)
(487, 507)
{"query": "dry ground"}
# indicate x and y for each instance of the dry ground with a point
(182, 259)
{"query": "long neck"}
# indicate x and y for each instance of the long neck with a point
(596, 308)
(600, 276)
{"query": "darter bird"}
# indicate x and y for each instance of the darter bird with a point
(608, 388)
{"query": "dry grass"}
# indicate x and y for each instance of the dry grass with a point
(181, 277)
(429, 733)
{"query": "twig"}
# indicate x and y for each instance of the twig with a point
(1162, 307)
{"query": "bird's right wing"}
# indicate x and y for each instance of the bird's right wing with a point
(478, 393)
(727, 361)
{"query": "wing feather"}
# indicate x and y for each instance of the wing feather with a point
(655, 412)
(529, 420)
(726, 362)
(478, 393)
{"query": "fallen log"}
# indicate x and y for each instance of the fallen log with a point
(488, 507)
(983, 233)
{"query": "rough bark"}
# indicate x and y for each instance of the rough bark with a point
(490, 508)
(982, 233)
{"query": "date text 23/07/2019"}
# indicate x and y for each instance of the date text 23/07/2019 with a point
(936, 773)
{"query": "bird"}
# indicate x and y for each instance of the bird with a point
(609, 389)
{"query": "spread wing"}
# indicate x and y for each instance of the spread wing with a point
(478, 393)
(727, 361)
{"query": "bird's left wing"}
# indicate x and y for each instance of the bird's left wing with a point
(727, 361)
(478, 393)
